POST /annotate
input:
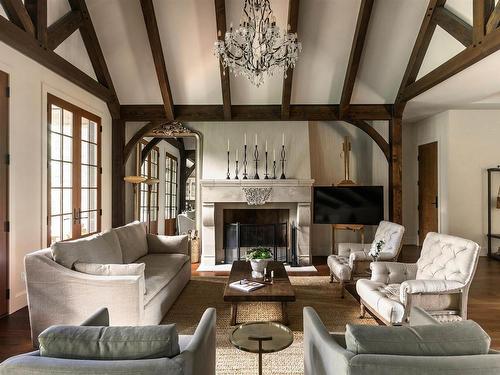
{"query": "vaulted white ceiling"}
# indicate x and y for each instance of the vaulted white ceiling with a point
(326, 28)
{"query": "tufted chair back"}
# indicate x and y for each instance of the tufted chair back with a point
(445, 257)
(392, 234)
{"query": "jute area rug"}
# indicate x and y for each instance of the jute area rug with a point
(314, 291)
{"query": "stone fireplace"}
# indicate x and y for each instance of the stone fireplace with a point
(267, 201)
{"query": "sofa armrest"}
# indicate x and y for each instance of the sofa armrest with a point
(99, 319)
(199, 354)
(58, 295)
(158, 244)
(346, 248)
(418, 317)
(323, 355)
(429, 287)
(393, 272)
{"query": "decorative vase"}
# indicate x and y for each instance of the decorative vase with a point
(258, 265)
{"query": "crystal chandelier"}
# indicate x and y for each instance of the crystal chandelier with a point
(257, 46)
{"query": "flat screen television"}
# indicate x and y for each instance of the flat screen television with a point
(348, 204)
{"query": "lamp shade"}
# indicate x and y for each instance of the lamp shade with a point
(151, 181)
(134, 179)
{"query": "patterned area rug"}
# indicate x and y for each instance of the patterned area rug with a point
(315, 291)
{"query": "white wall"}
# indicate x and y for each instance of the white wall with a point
(467, 146)
(30, 83)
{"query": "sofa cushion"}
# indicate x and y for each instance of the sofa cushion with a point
(167, 244)
(101, 248)
(133, 241)
(160, 270)
(449, 339)
(109, 343)
(382, 298)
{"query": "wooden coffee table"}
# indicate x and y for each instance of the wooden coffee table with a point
(280, 291)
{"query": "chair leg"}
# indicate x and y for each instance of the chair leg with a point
(331, 277)
(342, 289)
(362, 310)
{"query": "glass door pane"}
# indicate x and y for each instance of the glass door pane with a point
(90, 174)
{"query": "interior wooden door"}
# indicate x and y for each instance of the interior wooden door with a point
(428, 199)
(170, 227)
(4, 193)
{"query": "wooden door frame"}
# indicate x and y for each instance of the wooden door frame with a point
(438, 189)
(4, 185)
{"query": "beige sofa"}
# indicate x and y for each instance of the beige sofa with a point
(58, 294)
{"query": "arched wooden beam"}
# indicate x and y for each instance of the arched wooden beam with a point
(147, 149)
(373, 134)
(129, 147)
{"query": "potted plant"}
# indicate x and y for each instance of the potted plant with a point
(259, 257)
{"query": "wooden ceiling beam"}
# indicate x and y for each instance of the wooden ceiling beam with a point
(220, 17)
(494, 19)
(96, 56)
(195, 113)
(60, 30)
(373, 134)
(37, 9)
(26, 44)
(454, 25)
(147, 149)
(461, 61)
(358, 42)
(481, 11)
(158, 58)
(293, 21)
(129, 147)
(18, 15)
(418, 53)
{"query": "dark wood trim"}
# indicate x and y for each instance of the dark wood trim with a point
(4, 192)
(298, 112)
(461, 61)
(136, 138)
(454, 25)
(373, 134)
(18, 15)
(173, 142)
(293, 21)
(60, 30)
(96, 56)
(23, 42)
(37, 9)
(148, 147)
(118, 173)
(396, 171)
(494, 19)
(182, 181)
(481, 11)
(220, 18)
(148, 12)
(358, 42)
(418, 53)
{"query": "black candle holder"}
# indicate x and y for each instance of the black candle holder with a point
(236, 171)
(266, 174)
(274, 169)
(256, 160)
(245, 162)
(283, 156)
(228, 177)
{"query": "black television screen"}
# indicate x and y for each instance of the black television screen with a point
(348, 205)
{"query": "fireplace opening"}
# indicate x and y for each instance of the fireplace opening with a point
(245, 229)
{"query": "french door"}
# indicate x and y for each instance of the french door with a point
(74, 171)
(148, 206)
(4, 193)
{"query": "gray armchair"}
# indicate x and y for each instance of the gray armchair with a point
(197, 356)
(326, 353)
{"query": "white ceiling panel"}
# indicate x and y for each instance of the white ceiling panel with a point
(122, 34)
(188, 31)
(461, 8)
(326, 29)
(242, 90)
(393, 28)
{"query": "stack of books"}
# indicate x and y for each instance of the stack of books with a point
(246, 285)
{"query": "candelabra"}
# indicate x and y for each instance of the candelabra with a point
(274, 169)
(236, 171)
(266, 174)
(256, 160)
(228, 174)
(245, 162)
(283, 155)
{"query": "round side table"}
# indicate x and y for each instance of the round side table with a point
(261, 337)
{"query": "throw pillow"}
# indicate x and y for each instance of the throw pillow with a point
(133, 241)
(168, 244)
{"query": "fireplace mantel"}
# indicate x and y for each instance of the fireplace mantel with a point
(217, 194)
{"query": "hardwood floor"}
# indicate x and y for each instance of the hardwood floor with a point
(484, 303)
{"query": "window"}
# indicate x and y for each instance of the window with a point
(74, 171)
(170, 186)
(149, 192)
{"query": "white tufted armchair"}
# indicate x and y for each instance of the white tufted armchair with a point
(353, 261)
(438, 283)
